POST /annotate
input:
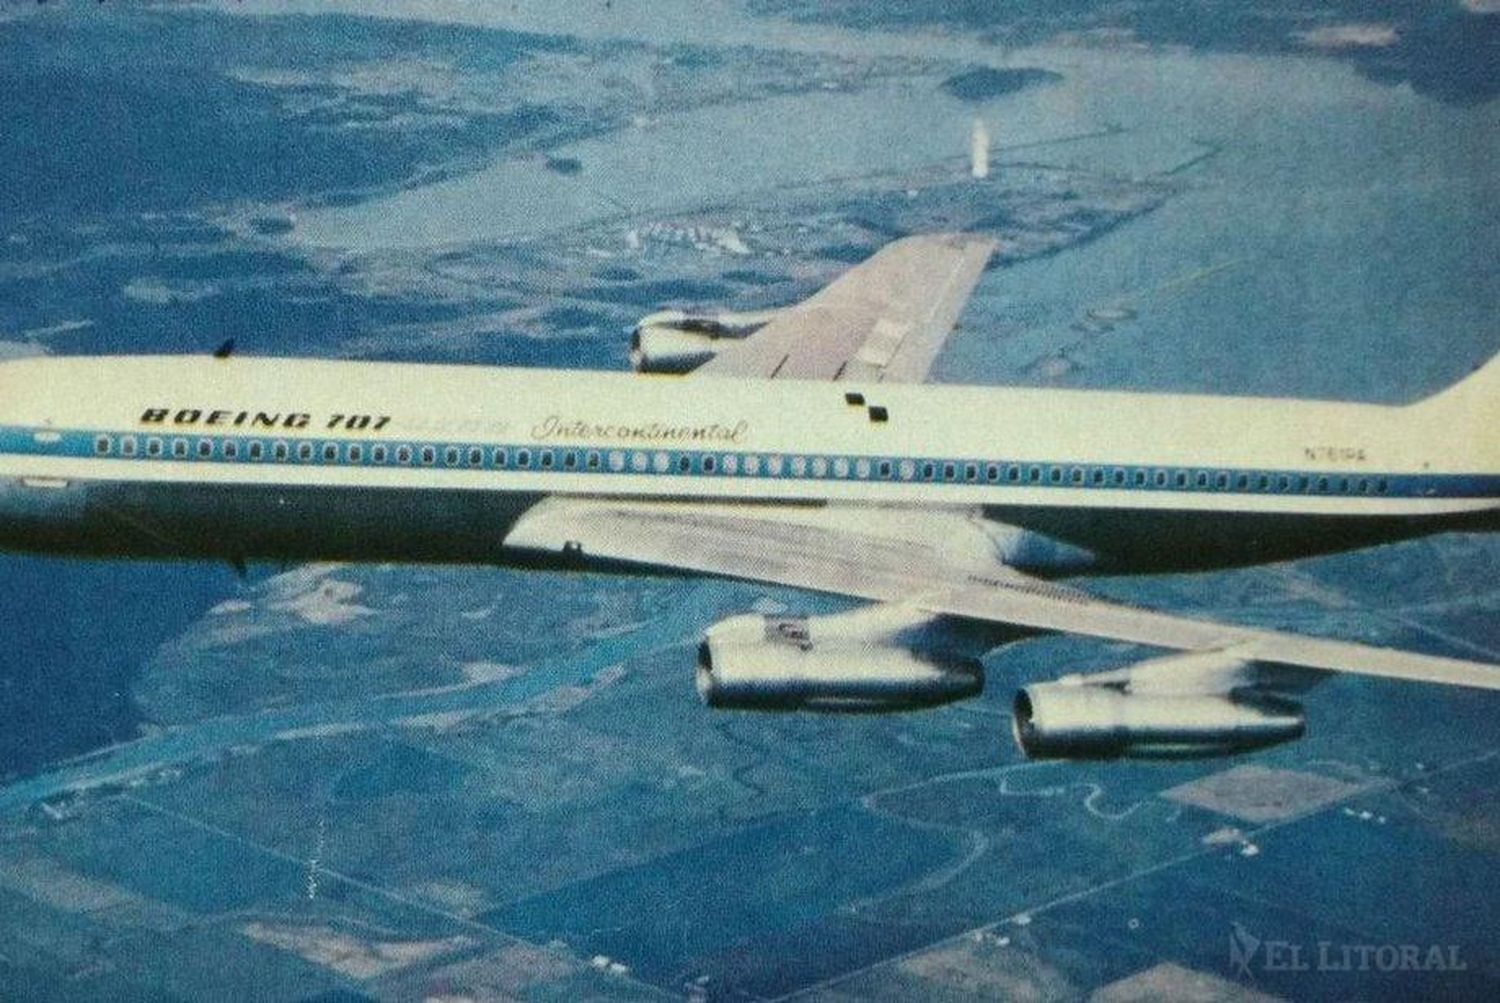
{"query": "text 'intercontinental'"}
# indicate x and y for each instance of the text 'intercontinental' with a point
(556, 427)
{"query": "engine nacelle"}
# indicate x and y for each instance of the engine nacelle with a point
(1079, 720)
(789, 663)
(674, 341)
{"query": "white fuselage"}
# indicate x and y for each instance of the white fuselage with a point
(189, 454)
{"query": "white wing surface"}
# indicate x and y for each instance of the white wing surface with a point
(883, 320)
(938, 562)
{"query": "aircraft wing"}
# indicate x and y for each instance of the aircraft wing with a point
(883, 320)
(912, 559)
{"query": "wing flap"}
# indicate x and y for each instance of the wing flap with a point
(886, 319)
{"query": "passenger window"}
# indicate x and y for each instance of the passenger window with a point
(570, 460)
(377, 454)
(180, 448)
(304, 451)
(593, 461)
(992, 473)
(102, 445)
(231, 449)
(476, 456)
(928, 470)
(499, 457)
(731, 464)
(885, 469)
(256, 450)
(523, 457)
(153, 447)
(331, 452)
(403, 454)
(840, 467)
(971, 472)
(709, 464)
(356, 453)
(752, 465)
(205, 448)
(281, 450)
(948, 471)
(546, 459)
(450, 456)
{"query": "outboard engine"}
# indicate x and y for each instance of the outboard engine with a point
(1197, 703)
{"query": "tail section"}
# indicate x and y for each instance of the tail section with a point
(1480, 385)
(1466, 416)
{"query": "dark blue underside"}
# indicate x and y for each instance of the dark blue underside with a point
(245, 522)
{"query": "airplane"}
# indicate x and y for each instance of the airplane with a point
(799, 447)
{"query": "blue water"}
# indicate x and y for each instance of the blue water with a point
(75, 634)
(1348, 238)
(1356, 211)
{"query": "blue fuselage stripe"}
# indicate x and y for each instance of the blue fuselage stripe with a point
(530, 457)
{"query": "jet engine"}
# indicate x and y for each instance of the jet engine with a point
(674, 341)
(1199, 703)
(868, 660)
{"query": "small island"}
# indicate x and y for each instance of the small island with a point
(985, 82)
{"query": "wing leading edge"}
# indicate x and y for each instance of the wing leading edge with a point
(886, 319)
(937, 562)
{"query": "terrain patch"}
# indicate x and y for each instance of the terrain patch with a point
(1261, 794)
(1168, 981)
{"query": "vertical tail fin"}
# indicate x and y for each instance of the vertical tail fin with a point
(1478, 392)
(1466, 416)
